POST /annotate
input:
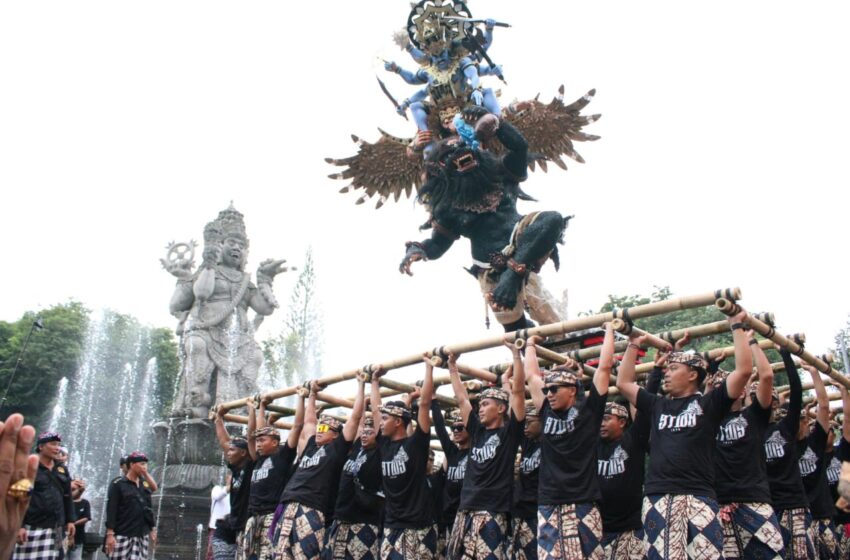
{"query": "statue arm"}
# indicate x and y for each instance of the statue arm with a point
(183, 297)
(416, 54)
(413, 78)
(516, 160)
(432, 248)
(259, 302)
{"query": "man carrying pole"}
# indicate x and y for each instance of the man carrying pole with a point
(409, 531)
(680, 507)
(481, 527)
(569, 525)
(309, 497)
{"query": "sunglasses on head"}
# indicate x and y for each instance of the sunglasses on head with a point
(552, 389)
(457, 428)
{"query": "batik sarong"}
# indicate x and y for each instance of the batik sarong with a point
(682, 527)
(299, 534)
(478, 535)
(400, 544)
(625, 545)
(256, 544)
(223, 550)
(795, 525)
(352, 541)
(570, 531)
(130, 548)
(41, 544)
(750, 530)
(523, 539)
(826, 540)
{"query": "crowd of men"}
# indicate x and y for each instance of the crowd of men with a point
(717, 467)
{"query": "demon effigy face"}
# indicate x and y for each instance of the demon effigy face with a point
(461, 177)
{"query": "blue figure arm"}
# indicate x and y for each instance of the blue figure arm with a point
(489, 25)
(487, 70)
(413, 78)
(416, 54)
(471, 73)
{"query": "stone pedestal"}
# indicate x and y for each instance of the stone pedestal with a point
(189, 462)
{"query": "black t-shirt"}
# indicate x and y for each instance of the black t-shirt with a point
(360, 498)
(620, 472)
(129, 511)
(488, 485)
(682, 433)
(403, 462)
(316, 479)
(813, 466)
(240, 493)
(525, 488)
(51, 504)
(833, 473)
(783, 470)
(268, 480)
(740, 468)
(568, 458)
(456, 460)
(436, 482)
(82, 509)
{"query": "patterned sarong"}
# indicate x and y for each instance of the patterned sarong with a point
(826, 540)
(400, 544)
(682, 526)
(523, 539)
(478, 535)
(570, 531)
(223, 550)
(352, 541)
(795, 525)
(750, 530)
(41, 544)
(300, 533)
(256, 544)
(626, 545)
(130, 548)
(443, 534)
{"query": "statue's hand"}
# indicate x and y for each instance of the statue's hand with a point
(414, 253)
(181, 268)
(271, 268)
(477, 97)
(212, 255)
(390, 66)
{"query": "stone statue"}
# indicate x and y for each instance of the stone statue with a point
(220, 356)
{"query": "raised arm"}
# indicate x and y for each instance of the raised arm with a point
(606, 362)
(795, 399)
(376, 401)
(440, 427)
(626, 372)
(738, 379)
(427, 395)
(820, 394)
(764, 393)
(533, 375)
(220, 431)
(845, 415)
(516, 160)
(298, 422)
(310, 417)
(349, 431)
(434, 248)
(252, 427)
(517, 383)
(460, 391)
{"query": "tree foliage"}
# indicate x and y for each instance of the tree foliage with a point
(52, 353)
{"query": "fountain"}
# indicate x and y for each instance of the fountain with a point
(220, 360)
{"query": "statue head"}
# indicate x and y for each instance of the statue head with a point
(228, 231)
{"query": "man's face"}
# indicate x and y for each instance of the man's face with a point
(266, 445)
(139, 468)
(368, 438)
(612, 427)
(459, 434)
(560, 397)
(491, 412)
(678, 379)
(51, 450)
(235, 454)
(325, 435)
(533, 427)
(389, 424)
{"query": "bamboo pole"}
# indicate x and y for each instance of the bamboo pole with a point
(405, 388)
(730, 308)
(623, 327)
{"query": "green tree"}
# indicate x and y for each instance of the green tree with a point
(52, 353)
(295, 355)
(163, 347)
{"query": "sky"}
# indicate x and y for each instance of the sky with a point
(124, 126)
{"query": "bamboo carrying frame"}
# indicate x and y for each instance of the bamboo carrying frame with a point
(620, 319)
